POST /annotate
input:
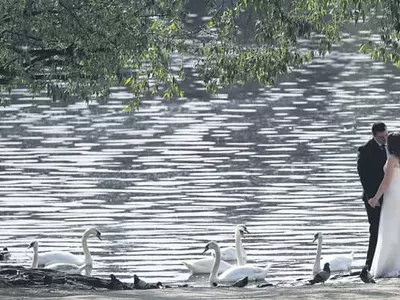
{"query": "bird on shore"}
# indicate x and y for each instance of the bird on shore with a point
(337, 263)
(322, 276)
(235, 273)
(205, 265)
(239, 283)
(62, 267)
(140, 284)
(5, 254)
(115, 283)
(64, 257)
(366, 276)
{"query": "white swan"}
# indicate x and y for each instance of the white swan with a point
(235, 273)
(230, 252)
(64, 257)
(338, 263)
(63, 267)
(204, 265)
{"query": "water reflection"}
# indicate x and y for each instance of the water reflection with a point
(162, 182)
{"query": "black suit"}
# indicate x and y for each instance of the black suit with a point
(371, 159)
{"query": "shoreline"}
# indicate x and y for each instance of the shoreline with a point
(385, 288)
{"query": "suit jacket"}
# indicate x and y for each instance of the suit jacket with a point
(370, 163)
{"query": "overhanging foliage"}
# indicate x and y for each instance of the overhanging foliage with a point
(80, 48)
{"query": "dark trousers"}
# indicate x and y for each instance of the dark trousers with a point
(373, 219)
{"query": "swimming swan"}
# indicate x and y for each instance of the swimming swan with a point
(234, 273)
(65, 257)
(63, 267)
(230, 252)
(204, 265)
(337, 263)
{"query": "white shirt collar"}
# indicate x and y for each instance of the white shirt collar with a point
(379, 144)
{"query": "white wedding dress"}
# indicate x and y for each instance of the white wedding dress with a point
(386, 262)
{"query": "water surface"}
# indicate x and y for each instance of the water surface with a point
(160, 183)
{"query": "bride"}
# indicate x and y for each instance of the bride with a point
(386, 262)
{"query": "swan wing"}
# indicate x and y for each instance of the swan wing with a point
(52, 257)
(236, 273)
(338, 262)
(204, 265)
(67, 268)
(228, 253)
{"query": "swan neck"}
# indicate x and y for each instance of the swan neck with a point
(239, 248)
(215, 268)
(86, 252)
(35, 260)
(317, 264)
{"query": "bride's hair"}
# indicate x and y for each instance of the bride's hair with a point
(394, 144)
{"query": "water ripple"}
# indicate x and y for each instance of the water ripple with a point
(162, 182)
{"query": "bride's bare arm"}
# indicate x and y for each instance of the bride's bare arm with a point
(391, 164)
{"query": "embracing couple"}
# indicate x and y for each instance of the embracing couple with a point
(379, 171)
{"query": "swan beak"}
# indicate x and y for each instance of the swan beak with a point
(316, 237)
(99, 237)
(205, 250)
(244, 232)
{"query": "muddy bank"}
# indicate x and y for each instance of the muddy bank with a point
(385, 289)
(17, 282)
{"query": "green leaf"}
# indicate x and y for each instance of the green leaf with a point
(128, 81)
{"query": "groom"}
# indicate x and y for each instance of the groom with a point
(371, 159)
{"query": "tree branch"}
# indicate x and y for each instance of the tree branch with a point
(42, 54)
(69, 10)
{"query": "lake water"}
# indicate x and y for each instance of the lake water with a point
(160, 183)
